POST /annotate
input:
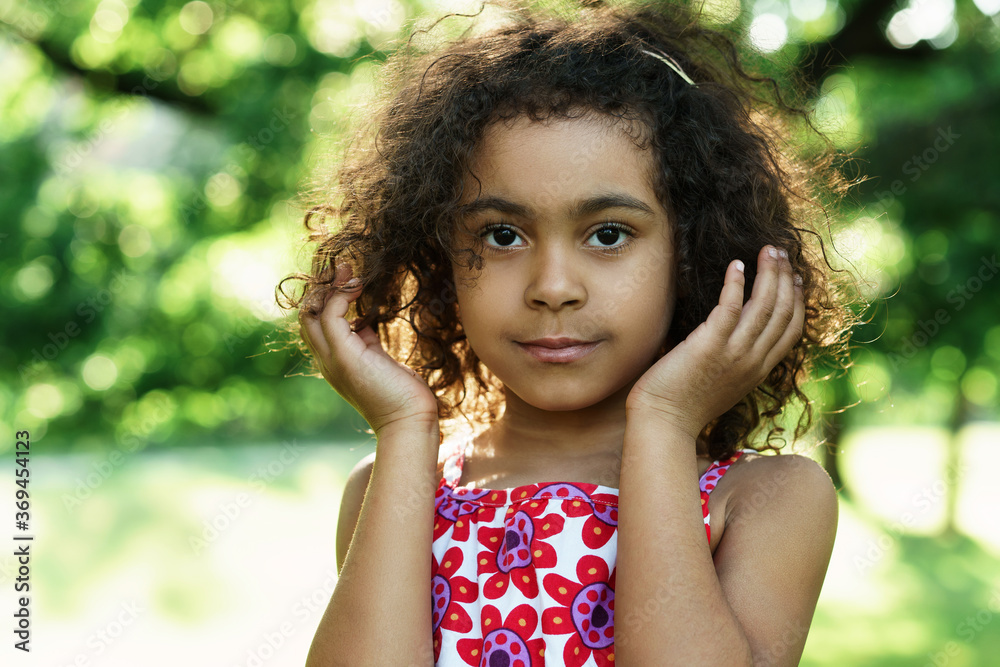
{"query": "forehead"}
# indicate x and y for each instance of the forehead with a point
(559, 160)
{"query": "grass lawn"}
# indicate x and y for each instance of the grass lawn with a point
(225, 557)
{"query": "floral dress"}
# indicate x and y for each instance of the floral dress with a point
(527, 574)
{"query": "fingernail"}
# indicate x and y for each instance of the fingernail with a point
(739, 266)
(772, 251)
(783, 253)
(797, 280)
(352, 283)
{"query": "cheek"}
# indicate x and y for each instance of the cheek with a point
(652, 309)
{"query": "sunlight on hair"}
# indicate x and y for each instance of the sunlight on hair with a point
(874, 249)
(870, 378)
(490, 18)
(768, 33)
(381, 19)
(721, 11)
(837, 113)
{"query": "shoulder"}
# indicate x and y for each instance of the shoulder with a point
(353, 498)
(781, 524)
(774, 483)
(362, 469)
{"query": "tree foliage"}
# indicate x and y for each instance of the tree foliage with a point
(151, 155)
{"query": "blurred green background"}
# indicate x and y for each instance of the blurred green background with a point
(186, 477)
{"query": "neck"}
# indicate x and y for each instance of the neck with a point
(526, 432)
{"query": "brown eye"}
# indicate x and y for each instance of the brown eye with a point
(501, 236)
(609, 236)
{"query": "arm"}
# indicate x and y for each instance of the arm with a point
(753, 605)
(670, 595)
(670, 608)
(774, 595)
(380, 611)
(350, 506)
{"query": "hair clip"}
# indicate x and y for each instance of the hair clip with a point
(672, 64)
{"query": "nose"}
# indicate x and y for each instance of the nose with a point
(555, 280)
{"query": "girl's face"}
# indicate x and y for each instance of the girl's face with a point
(575, 245)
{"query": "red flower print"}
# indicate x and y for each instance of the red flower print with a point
(708, 481)
(451, 509)
(447, 591)
(601, 510)
(518, 548)
(587, 611)
(505, 641)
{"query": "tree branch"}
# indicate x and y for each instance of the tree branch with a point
(128, 83)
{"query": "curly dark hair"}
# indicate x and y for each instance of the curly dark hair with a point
(725, 172)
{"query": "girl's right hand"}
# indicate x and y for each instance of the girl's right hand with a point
(380, 388)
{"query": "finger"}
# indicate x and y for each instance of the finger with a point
(757, 311)
(315, 304)
(312, 333)
(332, 320)
(792, 333)
(784, 309)
(370, 338)
(725, 316)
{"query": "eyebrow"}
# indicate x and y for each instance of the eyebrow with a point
(583, 207)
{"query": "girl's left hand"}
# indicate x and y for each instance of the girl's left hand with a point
(731, 352)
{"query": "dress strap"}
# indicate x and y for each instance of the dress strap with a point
(714, 473)
(453, 463)
(710, 479)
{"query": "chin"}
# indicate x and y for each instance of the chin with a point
(558, 400)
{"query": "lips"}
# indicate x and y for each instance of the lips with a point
(558, 350)
(555, 343)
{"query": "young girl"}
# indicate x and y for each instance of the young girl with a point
(585, 236)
